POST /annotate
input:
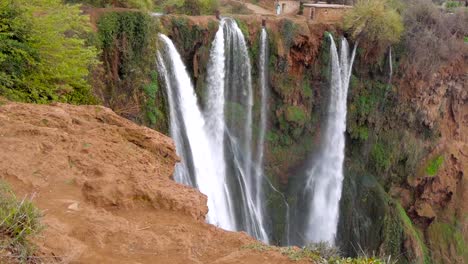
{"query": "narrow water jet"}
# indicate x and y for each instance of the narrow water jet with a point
(200, 165)
(258, 173)
(390, 65)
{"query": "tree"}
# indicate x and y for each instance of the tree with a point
(433, 37)
(17, 57)
(375, 21)
(52, 60)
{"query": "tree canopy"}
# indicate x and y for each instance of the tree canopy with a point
(375, 21)
(43, 52)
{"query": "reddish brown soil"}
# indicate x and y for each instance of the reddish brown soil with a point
(443, 102)
(104, 186)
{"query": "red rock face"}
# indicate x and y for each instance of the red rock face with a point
(442, 197)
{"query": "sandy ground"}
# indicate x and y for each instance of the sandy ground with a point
(104, 186)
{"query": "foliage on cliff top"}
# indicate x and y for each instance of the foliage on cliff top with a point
(449, 237)
(44, 55)
(129, 43)
(434, 165)
(188, 7)
(375, 21)
(321, 253)
(376, 24)
(19, 220)
(139, 4)
(433, 37)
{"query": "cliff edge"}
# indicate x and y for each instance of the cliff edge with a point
(104, 186)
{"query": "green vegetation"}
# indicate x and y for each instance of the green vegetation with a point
(129, 83)
(451, 5)
(153, 114)
(244, 28)
(188, 7)
(375, 21)
(317, 253)
(296, 114)
(434, 165)
(411, 232)
(234, 7)
(287, 32)
(43, 52)
(138, 4)
(445, 237)
(365, 99)
(380, 157)
(433, 37)
(19, 221)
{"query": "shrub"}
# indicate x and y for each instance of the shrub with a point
(375, 21)
(188, 7)
(17, 56)
(296, 115)
(139, 4)
(451, 5)
(432, 37)
(380, 157)
(45, 56)
(128, 41)
(434, 165)
(288, 32)
(19, 220)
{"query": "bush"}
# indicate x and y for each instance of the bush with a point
(188, 7)
(375, 21)
(139, 4)
(234, 7)
(434, 165)
(44, 54)
(17, 56)
(19, 220)
(432, 37)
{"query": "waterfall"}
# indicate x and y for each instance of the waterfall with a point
(258, 169)
(390, 74)
(228, 116)
(324, 179)
(199, 165)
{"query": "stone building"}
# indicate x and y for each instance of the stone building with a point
(325, 12)
(330, 11)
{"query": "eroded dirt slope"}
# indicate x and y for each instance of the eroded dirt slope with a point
(104, 185)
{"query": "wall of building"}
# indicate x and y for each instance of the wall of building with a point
(325, 14)
(290, 7)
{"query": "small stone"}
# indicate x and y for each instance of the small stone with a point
(73, 207)
(425, 210)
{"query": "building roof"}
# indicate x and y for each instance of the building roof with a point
(320, 5)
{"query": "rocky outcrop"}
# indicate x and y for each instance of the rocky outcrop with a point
(440, 190)
(104, 186)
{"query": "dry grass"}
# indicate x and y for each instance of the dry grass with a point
(19, 220)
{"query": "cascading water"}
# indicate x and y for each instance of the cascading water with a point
(316, 216)
(229, 120)
(200, 165)
(326, 176)
(257, 180)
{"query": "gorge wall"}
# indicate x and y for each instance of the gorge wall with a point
(406, 140)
